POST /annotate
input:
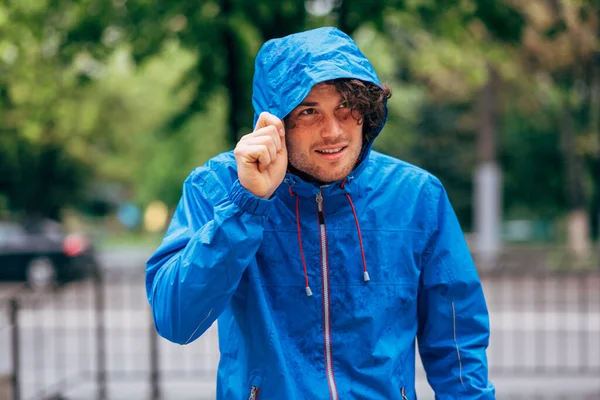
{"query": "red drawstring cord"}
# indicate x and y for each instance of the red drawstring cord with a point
(366, 277)
(307, 287)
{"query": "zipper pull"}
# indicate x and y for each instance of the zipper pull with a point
(403, 393)
(320, 213)
(320, 200)
(254, 393)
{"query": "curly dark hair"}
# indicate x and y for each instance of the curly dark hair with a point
(365, 99)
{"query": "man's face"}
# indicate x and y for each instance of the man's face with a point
(323, 138)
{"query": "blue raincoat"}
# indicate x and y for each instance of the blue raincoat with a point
(385, 260)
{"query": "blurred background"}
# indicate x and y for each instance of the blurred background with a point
(107, 105)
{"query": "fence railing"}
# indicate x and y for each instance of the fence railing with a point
(544, 323)
(96, 339)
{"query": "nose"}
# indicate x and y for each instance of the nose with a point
(331, 127)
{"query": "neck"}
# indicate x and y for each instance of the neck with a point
(303, 175)
(309, 178)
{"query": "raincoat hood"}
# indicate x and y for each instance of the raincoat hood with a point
(287, 68)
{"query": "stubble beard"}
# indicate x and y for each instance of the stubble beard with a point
(322, 172)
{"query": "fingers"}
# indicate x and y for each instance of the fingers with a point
(265, 144)
(263, 135)
(258, 149)
(266, 119)
(261, 155)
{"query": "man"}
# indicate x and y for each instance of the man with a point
(322, 259)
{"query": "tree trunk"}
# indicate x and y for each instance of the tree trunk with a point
(235, 89)
(342, 18)
(596, 204)
(488, 177)
(578, 235)
(488, 114)
(595, 129)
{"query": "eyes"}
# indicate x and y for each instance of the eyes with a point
(308, 111)
(312, 110)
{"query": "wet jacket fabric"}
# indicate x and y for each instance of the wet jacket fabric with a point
(386, 264)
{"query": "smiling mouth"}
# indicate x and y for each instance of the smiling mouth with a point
(331, 151)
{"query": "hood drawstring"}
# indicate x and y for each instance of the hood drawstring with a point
(366, 277)
(307, 287)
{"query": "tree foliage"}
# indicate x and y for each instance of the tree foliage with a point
(136, 93)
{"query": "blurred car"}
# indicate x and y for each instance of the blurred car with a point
(42, 255)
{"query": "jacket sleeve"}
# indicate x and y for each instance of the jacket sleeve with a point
(453, 331)
(213, 236)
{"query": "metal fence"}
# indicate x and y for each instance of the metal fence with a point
(96, 340)
(544, 323)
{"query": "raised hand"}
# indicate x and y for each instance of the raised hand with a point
(261, 156)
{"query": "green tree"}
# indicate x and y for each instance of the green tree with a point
(561, 46)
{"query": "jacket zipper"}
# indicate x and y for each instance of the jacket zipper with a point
(254, 393)
(326, 319)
